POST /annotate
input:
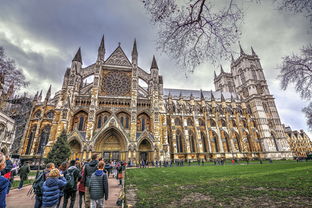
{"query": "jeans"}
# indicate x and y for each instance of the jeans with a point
(80, 198)
(72, 196)
(21, 183)
(87, 198)
(38, 202)
(97, 203)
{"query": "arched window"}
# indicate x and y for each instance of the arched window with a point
(122, 120)
(81, 124)
(30, 139)
(225, 142)
(127, 122)
(190, 122)
(223, 123)
(143, 122)
(236, 142)
(214, 141)
(242, 76)
(192, 141)
(44, 138)
(204, 141)
(99, 122)
(105, 118)
(177, 122)
(234, 123)
(179, 142)
(201, 122)
(212, 123)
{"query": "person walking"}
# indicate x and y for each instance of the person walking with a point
(23, 173)
(119, 173)
(38, 184)
(72, 175)
(51, 189)
(4, 183)
(89, 169)
(81, 189)
(98, 187)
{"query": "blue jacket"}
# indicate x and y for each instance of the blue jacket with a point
(4, 184)
(51, 191)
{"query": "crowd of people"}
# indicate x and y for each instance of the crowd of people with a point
(56, 187)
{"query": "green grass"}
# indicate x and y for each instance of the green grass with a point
(281, 184)
(16, 183)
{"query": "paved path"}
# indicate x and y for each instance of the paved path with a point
(19, 198)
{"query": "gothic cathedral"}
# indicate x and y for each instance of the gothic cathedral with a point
(104, 109)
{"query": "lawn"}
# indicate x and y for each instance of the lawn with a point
(280, 184)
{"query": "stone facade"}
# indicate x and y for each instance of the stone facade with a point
(299, 142)
(7, 129)
(104, 109)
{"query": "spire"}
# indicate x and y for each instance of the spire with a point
(101, 50)
(48, 94)
(134, 53)
(180, 96)
(222, 97)
(202, 97)
(212, 98)
(222, 71)
(154, 64)
(253, 52)
(240, 48)
(169, 96)
(40, 96)
(36, 96)
(232, 58)
(215, 75)
(78, 56)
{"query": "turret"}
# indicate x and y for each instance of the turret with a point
(253, 52)
(101, 51)
(134, 53)
(40, 96)
(241, 49)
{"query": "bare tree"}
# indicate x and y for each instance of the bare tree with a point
(12, 75)
(296, 7)
(195, 31)
(308, 112)
(297, 69)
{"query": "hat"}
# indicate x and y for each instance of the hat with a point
(54, 173)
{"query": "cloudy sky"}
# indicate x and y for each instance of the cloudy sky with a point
(43, 36)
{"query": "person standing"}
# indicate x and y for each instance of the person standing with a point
(89, 169)
(6, 172)
(72, 175)
(81, 189)
(24, 171)
(98, 187)
(4, 182)
(38, 184)
(51, 189)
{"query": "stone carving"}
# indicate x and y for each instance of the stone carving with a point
(116, 83)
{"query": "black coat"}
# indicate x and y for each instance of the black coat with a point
(24, 171)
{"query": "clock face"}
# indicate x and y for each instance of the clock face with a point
(116, 83)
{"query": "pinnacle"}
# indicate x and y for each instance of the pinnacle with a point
(154, 64)
(78, 56)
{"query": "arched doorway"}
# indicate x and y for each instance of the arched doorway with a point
(75, 148)
(111, 145)
(145, 150)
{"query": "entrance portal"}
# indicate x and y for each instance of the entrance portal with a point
(111, 146)
(146, 152)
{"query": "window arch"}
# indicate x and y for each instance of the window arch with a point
(242, 75)
(254, 74)
(212, 123)
(101, 118)
(244, 122)
(204, 142)
(143, 122)
(192, 141)
(214, 141)
(225, 141)
(80, 121)
(201, 122)
(124, 119)
(236, 142)
(179, 142)
(177, 122)
(190, 122)
(44, 138)
(233, 123)
(30, 139)
(223, 123)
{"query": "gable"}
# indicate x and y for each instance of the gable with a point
(118, 58)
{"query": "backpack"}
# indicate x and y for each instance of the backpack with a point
(38, 183)
(70, 178)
